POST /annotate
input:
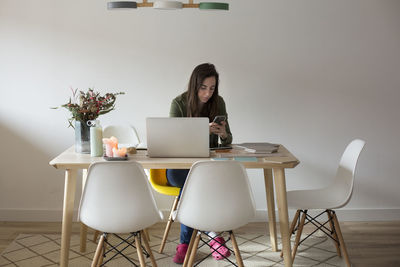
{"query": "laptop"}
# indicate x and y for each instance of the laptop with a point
(178, 137)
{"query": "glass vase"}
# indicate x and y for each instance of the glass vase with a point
(82, 137)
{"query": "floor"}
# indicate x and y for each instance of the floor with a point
(368, 243)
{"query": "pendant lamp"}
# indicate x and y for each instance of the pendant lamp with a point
(121, 5)
(168, 5)
(213, 5)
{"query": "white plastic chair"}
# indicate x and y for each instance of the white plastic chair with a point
(126, 134)
(118, 199)
(216, 197)
(335, 196)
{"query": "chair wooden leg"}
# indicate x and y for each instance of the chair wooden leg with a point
(298, 235)
(341, 240)
(146, 232)
(139, 252)
(296, 216)
(187, 256)
(333, 230)
(83, 235)
(239, 260)
(100, 262)
(193, 251)
(147, 246)
(98, 252)
(95, 236)
(84, 228)
(169, 223)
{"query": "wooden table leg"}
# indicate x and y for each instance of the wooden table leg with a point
(280, 187)
(269, 189)
(68, 209)
(83, 235)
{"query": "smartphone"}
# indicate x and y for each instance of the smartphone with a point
(219, 119)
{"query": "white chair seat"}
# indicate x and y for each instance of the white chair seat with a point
(117, 198)
(314, 199)
(216, 197)
(127, 137)
(125, 134)
(335, 196)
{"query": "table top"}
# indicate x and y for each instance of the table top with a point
(71, 160)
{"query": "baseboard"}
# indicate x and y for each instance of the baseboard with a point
(345, 215)
(32, 215)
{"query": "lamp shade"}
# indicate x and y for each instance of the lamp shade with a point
(213, 5)
(121, 4)
(168, 5)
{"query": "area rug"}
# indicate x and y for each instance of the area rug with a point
(31, 250)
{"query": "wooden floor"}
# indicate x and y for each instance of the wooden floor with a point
(368, 243)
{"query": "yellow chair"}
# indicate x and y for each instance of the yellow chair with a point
(158, 179)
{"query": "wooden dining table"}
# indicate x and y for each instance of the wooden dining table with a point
(273, 166)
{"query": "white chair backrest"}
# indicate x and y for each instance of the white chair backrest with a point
(125, 134)
(344, 180)
(216, 197)
(117, 198)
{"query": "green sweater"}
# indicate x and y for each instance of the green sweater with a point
(179, 109)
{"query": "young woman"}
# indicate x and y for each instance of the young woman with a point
(200, 100)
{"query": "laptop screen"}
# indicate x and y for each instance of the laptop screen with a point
(178, 137)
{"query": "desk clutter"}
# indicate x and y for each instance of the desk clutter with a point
(259, 148)
(247, 159)
(247, 152)
(112, 149)
(112, 152)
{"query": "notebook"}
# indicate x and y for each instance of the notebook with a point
(178, 137)
(259, 148)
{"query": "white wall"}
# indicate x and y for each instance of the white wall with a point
(311, 75)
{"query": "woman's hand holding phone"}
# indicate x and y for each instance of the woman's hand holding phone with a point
(218, 127)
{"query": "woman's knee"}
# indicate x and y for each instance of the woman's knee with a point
(177, 177)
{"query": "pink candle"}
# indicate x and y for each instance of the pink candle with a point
(110, 143)
(119, 152)
(109, 152)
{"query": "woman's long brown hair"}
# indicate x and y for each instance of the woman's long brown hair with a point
(199, 74)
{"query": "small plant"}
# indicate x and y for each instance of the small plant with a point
(85, 106)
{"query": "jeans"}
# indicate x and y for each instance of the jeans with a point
(177, 177)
